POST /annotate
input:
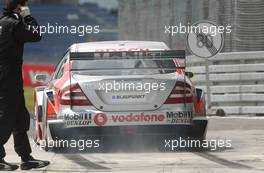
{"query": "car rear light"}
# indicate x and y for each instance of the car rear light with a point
(74, 96)
(51, 113)
(181, 93)
(199, 103)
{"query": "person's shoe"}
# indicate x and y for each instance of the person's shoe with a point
(4, 166)
(32, 163)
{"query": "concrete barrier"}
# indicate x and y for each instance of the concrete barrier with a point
(236, 81)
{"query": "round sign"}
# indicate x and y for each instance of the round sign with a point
(205, 39)
(100, 119)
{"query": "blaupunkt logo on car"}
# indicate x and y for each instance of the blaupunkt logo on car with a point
(119, 97)
(81, 119)
(180, 117)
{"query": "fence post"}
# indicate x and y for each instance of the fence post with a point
(208, 90)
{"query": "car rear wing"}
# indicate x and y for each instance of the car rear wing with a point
(178, 56)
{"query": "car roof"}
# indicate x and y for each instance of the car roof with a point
(106, 46)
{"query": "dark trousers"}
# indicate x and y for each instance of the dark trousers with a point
(14, 117)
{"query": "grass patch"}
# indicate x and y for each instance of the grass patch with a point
(29, 97)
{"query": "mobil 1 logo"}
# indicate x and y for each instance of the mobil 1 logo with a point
(179, 117)
(80, 119)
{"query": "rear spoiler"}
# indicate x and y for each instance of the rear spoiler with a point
(160, 55)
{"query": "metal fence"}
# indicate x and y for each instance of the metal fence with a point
(236, 81)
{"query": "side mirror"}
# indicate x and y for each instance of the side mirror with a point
(42, 78)
(189, 74)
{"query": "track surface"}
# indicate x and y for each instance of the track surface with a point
(245, 155)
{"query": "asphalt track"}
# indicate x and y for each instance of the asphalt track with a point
(246, 154)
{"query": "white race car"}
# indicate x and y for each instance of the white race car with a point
(119, 88)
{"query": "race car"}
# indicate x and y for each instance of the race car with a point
(116, 88)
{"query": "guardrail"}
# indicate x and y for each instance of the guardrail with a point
(236, 81)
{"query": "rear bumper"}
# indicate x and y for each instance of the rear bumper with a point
(197, 129)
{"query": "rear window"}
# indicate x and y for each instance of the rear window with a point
(124, 67)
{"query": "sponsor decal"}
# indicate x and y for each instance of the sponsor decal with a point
(30, 71)
(121, 49)
(120, 97)
(142, 117)
(100, 119)
(81, 119)
(180, 117)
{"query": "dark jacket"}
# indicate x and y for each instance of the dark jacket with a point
(14, 32)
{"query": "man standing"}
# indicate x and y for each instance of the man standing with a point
(14, 117)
